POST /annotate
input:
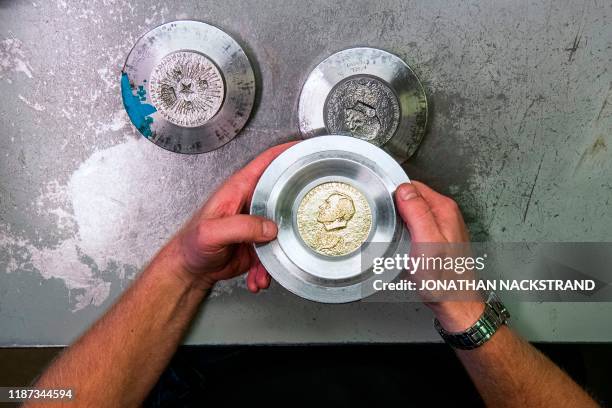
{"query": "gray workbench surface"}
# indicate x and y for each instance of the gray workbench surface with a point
(521, 118)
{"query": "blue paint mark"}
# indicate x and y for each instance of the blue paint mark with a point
(137, 111)
(141, 92)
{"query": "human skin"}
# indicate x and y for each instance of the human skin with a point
(506, 370)
(119, 359)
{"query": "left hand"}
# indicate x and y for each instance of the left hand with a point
(217, 243)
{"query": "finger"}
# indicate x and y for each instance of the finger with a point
(236, 263)
(446, 212)
(417, 214)
(216, 234)
(263, 277)
(231, 197)
(430, 195)
(251, 279)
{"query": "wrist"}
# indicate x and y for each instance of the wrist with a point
(455, 316)
(176, 268)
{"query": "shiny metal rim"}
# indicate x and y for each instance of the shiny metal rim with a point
(292, 175)
(228, 60)
(375, 66)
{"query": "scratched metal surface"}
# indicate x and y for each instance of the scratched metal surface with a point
(519, 134)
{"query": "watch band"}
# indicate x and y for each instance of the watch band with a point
(494, 315)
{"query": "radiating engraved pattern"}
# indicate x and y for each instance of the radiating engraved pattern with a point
(334, 219)
(363, 107)
(186, 88)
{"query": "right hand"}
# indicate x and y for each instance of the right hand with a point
(433, 218)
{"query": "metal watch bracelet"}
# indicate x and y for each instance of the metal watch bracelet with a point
(494, 315)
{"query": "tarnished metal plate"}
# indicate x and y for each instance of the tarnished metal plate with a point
(369, 94)
(332, 199)
(188, 87)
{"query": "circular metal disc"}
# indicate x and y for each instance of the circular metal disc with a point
(369, 94)
(188, 87)
(332, 199)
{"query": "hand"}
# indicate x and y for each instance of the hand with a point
(434, 218)
(217, 243)
(431, 218)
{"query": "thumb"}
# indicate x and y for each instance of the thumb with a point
(216, 233)
(417, 214)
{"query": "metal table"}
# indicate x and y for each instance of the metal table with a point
(521, 118)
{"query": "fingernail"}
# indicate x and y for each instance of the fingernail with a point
(407, 192)
(269, 229)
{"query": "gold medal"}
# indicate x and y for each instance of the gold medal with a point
(334, 219)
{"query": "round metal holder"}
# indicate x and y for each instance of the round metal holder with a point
(188, 87)
(369, 94)
(332, 199)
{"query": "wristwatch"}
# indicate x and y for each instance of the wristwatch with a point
(494, 315)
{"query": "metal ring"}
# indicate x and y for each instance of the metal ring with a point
(188, 87)
(330, 161)
(369, 94)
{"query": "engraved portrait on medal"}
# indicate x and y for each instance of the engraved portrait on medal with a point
(334, 219)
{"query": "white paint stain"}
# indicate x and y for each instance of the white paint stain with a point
(118, 121)
(34, 105)
(61, 263)
(12, 58)
(109, 79)
(115, 214)
(115, 207)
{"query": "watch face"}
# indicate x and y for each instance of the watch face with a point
(496, 304)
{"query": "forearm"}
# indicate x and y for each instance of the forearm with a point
(509, 372)
(118, 360)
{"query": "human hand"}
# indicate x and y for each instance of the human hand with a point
(433, 218)
(216, 244)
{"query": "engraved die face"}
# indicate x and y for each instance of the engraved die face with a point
(364, 107)
(362, 121)
(187, 88)
(334, 219)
